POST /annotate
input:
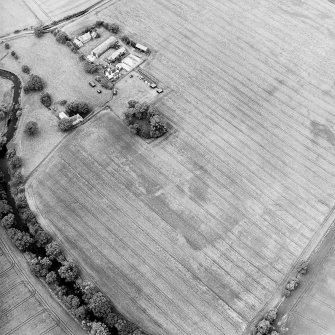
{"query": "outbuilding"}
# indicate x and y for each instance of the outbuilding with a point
(104, 46)
(117, 54)
(141, 47)
(85, 37)
(78, 43)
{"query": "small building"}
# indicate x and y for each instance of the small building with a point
(76, 119)
(104, 46)
(85, 37)
(78, 43)
(117, 54)
(62, 115)
(94, 34)
(141, 47)
(91, 58)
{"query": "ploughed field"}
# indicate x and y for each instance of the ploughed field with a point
(23, 305)
(194, 233)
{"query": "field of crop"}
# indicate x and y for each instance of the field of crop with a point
(58, 9)
(24, 307)
(195, 233)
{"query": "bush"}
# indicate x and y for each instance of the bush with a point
(21, 201)
(99, 305)
(125, 39)
(132, 103)
(15, 162)
(105, 83)
(38, 31)
(157, 127)
(42, 238)
(82, 58)
(87, 288)
(8, 221)
(90, 68)
(68, 271)
(4, 208)
(51, 278)
(71, 301)
(53, 251)
(80, 313)
(111, 319)
(21, 239)
(291, 285)
(80, 108)
(64, 124)
(61, 37)
(46, 99)
(63, 102)
(31, 128)
(40, 266)
(112, 27)
(25, 69)
(13, 53)
(98, 328)
(35, 83)
(302, 267)
(271, 315)
(7, 46)
(99, 23)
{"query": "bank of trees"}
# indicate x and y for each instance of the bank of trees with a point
(35, 83)
(144, 120)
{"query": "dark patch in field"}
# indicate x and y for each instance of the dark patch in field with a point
(323, 131)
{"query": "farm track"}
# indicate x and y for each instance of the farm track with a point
(197, 233)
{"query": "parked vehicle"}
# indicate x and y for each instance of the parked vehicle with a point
(99, 91)
(92, 84)
(160, 90)
(114, 91)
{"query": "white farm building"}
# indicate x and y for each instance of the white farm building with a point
(104, 46)
(117, 53)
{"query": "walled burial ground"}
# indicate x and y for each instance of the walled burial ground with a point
(195, 233)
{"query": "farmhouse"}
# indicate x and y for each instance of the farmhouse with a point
(141, 47)
(104, 46)
(117, 54)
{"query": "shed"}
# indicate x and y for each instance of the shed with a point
(78, 43)
(104, 46)
(141, 47)
(117, 53)
(85, 37)
(76, 119)
(62, 115)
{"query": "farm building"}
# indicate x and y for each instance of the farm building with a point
(117, 54)
(91, 58)
(62, 115)
(141, 47)
(76, 119)
(104, 46)
(130, 62)
(78, 43)
(85, 38)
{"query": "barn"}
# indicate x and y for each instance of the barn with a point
(104, 46)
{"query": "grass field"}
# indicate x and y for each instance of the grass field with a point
(194, 234)
(25, 306)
